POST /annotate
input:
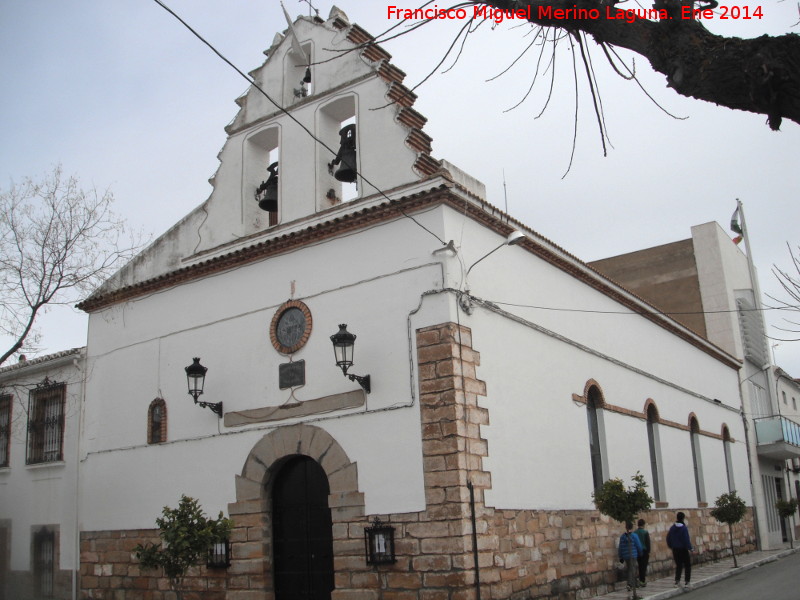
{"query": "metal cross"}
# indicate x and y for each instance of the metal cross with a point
(310, 6)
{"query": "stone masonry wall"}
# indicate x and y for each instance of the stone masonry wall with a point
(433, 547)
(109, 570)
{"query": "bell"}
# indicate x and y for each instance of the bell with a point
(267, 192)
(346, 158)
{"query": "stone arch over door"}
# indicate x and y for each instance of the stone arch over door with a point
(251, 537)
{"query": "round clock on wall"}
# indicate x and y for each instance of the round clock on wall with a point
(291, 327)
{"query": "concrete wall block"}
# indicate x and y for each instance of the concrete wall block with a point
(246, 507)
(344, 479)
(341, 499)
(334, 459)
(346, 513)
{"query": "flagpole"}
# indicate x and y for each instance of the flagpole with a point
(759, 307)
(750, 264)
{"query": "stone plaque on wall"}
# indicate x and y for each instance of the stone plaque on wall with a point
(292, 374)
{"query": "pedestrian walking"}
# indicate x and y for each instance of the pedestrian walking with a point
(629, 551)
(644, 557)
(680, 543)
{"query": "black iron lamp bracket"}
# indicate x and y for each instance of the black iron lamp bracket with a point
(216, 407)
(363, 381)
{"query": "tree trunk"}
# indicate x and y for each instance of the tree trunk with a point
(733, 552)
(760, 75)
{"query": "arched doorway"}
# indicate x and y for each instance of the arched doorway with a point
(301, 531)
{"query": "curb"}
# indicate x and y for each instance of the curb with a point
(720, 576)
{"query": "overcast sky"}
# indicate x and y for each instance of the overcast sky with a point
(119, 93)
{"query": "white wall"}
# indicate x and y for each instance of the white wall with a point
(538, 437)
(45, 493)
(225, 321)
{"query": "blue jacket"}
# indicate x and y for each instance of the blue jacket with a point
(678, 537)
(629, 546)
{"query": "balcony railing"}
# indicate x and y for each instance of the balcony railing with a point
(778, 437)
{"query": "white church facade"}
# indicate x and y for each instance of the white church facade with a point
(468, 421)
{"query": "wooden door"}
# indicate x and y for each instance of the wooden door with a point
(302, 537)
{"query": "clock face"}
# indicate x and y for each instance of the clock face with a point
(291, 327)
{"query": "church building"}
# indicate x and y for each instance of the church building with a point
(352, 354)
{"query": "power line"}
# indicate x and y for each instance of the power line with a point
(655, 312)
(383, 194)
(287, 113)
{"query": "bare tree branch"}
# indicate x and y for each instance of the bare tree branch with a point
(57, 243)
(790, 282)
(760, 75)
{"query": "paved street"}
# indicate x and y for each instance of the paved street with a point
(769, 575)
(777, 580)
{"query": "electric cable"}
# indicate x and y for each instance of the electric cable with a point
(440, 240)
(655, 312)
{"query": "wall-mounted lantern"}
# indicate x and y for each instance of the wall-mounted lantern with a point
(379, 542)
(219, 555)
(196, 378)
(343, 347)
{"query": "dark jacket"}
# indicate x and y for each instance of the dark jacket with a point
(678, 537)
(629, 546)
(644, 538)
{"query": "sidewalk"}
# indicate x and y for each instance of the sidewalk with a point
(702, 575)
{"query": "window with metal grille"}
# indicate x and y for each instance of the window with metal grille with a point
(44, 554)
(46, 422)
(5, 429)
(5, 557)
(157, 422)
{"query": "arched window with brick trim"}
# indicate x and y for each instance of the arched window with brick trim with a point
(654, 446)
(697, 463)
(157, 422)
(726, 448)
(594, 404)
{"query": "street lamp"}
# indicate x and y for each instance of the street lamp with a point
(379, 542)
(196, 379)
(343, 347)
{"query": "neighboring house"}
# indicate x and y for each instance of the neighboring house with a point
(705, 282)
(40, 402)
(788, 393)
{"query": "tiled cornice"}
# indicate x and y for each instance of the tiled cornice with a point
(484, 213)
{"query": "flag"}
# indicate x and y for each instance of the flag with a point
(296, 47)
(736, 227)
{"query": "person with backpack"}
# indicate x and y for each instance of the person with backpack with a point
(680, 543)
(644, 557)
(630, 548)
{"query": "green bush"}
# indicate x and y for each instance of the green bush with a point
(729, 509)
(186, 537)
(613, 500)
